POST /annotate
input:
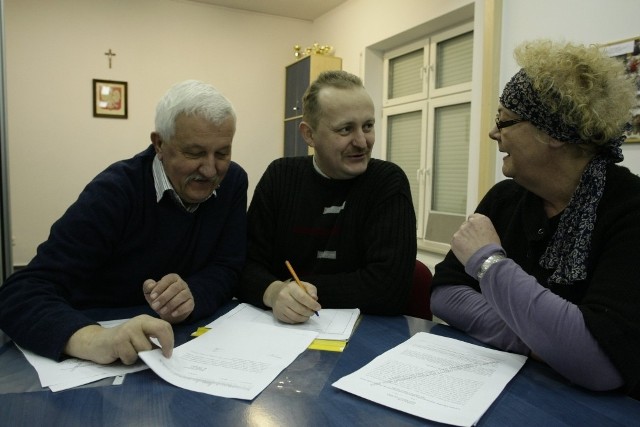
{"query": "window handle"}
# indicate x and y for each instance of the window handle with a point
(424, 74)
(422, 173)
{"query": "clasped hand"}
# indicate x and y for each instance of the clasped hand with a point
(170, 297)
(290, 303)
(477, 231)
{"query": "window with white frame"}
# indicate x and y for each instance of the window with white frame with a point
(425, 120)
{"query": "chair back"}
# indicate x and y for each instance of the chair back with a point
(419, 304)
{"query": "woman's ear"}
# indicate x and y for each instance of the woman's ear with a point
(307, 133)
(554, 143)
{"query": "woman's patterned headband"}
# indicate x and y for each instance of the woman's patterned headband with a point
(520, 96)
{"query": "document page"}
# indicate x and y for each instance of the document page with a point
(234, 359)
(436, 378)
(331, 324)
(74, 372)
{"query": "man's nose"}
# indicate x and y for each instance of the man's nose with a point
(208, 166)
(360, 139)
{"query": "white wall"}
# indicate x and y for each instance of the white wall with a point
(54, 49)
(583, 21)
(358, 24)
(362, 29)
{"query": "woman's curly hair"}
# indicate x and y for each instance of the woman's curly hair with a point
(587, 88)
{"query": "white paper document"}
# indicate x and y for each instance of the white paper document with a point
(436, 378)
(234, 359)
(74, 372)
(331, 324)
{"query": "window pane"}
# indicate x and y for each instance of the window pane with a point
(451, 157)
(405, 74)
(441, 227)
(403, 147)
(453, 60)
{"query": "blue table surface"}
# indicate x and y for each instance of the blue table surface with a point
(302, 395)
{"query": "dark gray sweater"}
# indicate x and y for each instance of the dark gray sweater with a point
(355, 239)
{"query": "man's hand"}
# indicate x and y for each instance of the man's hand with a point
(170, 297)
(106, 345)
(476, 232)
(290, 303)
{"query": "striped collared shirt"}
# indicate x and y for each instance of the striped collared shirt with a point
(163, 185)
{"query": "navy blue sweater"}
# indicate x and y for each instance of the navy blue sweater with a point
(113, 238)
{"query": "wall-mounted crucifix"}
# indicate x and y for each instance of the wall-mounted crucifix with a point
(110, 55)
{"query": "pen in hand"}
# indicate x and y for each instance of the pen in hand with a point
(295, 277)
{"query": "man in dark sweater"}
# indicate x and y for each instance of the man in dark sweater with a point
(344, 221)
(165, 228)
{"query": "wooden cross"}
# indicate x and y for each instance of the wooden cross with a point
(110, 55)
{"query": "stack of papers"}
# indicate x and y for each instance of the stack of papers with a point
(234, 359)
(334, 326)
(245, 350)
(436, 378)
(239, 356)
(430, 376)
(74, 372)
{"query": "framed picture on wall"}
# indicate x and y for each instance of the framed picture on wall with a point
(628, 51)
(110, 99)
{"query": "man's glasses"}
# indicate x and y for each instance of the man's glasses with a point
(501, 124)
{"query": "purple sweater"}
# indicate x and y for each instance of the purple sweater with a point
(113, 238)
(588, 331)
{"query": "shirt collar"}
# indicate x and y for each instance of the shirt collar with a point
(317, 168)
(163, 185)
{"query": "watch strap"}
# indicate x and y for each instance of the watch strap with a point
(491, 260)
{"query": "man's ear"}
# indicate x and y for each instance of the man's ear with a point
(156, 140)
(307, 133)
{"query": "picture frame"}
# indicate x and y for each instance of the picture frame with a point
(628, 51)
(110, 99)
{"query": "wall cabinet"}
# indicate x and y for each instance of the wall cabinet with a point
(298, 77)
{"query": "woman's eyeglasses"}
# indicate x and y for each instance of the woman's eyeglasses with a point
(501, 124)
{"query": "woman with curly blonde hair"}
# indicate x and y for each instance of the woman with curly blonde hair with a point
(548, 264)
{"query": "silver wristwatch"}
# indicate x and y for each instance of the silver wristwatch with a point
(495, 258)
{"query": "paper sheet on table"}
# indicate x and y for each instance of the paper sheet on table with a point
(436, 378)
(74, 372)
(234, 359)
(331, 324)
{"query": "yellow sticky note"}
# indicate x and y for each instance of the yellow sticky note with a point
(328, 345)
(201, 330)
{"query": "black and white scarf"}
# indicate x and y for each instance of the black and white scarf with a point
(569, 248)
